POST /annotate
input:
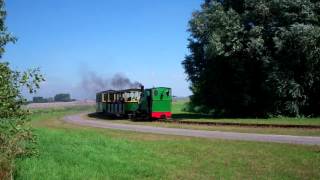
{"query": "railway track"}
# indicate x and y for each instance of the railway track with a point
(243, 124)
(210, 123)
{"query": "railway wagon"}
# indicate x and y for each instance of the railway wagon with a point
(118, 103)
(153, 103)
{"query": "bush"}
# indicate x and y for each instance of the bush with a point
(16, 139)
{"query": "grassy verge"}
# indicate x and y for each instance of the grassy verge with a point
(179, 115)
(72, 152)
(282, 120)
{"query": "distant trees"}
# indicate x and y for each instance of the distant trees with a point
(255, 57)
(49, 99)
(62, 98)
(39, 99)
(57, 98)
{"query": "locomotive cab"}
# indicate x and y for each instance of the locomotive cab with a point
(156, 103)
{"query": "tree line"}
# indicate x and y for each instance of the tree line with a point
(63, 97)
(255, 58)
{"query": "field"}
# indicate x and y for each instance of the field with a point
(72, 152)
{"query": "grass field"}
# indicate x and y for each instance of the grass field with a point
(41, 114)
(72, 152)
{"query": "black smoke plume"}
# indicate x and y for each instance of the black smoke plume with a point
(119, 82)
(91, 83)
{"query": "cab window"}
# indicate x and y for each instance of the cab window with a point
(168, 93)
(155, 92)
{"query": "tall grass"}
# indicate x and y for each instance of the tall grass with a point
(16, 139)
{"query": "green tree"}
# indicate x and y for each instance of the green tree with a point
(62, 98)
(255, 57)
(39, 99)
(15, 137)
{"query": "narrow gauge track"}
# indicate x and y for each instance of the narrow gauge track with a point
(79, 119)
(243, 124)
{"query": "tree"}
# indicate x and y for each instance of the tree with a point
(15, 137)
(255, 57)
(39, 99)
(62, 98)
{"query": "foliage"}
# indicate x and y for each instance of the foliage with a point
(39, 99)
(14, 136)
(62, 98)
(256, 57)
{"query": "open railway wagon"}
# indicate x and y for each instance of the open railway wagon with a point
(153, 103)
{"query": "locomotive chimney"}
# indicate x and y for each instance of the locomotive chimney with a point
(142, 88)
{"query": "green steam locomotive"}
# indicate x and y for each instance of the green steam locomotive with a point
(153, 103)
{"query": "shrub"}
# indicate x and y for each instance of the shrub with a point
(16, 139)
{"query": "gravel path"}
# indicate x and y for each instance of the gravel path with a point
(307, 140)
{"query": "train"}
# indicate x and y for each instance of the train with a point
(152, 103)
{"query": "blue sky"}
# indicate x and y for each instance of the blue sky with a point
(142, 39)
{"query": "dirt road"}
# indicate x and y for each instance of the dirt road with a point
(81, 120)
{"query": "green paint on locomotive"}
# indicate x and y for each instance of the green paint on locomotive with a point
(156, 100)
(161, 99)
(156, 103)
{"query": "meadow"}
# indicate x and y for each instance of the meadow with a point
(72, 152)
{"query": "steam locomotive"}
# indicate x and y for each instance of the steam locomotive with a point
(153, 103)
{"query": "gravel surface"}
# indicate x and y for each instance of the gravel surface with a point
(81, 120)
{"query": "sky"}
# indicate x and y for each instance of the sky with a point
(142, 39)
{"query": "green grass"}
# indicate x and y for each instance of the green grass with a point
(179, 115)
(72, 152)
(40, 114)
(178, 106)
